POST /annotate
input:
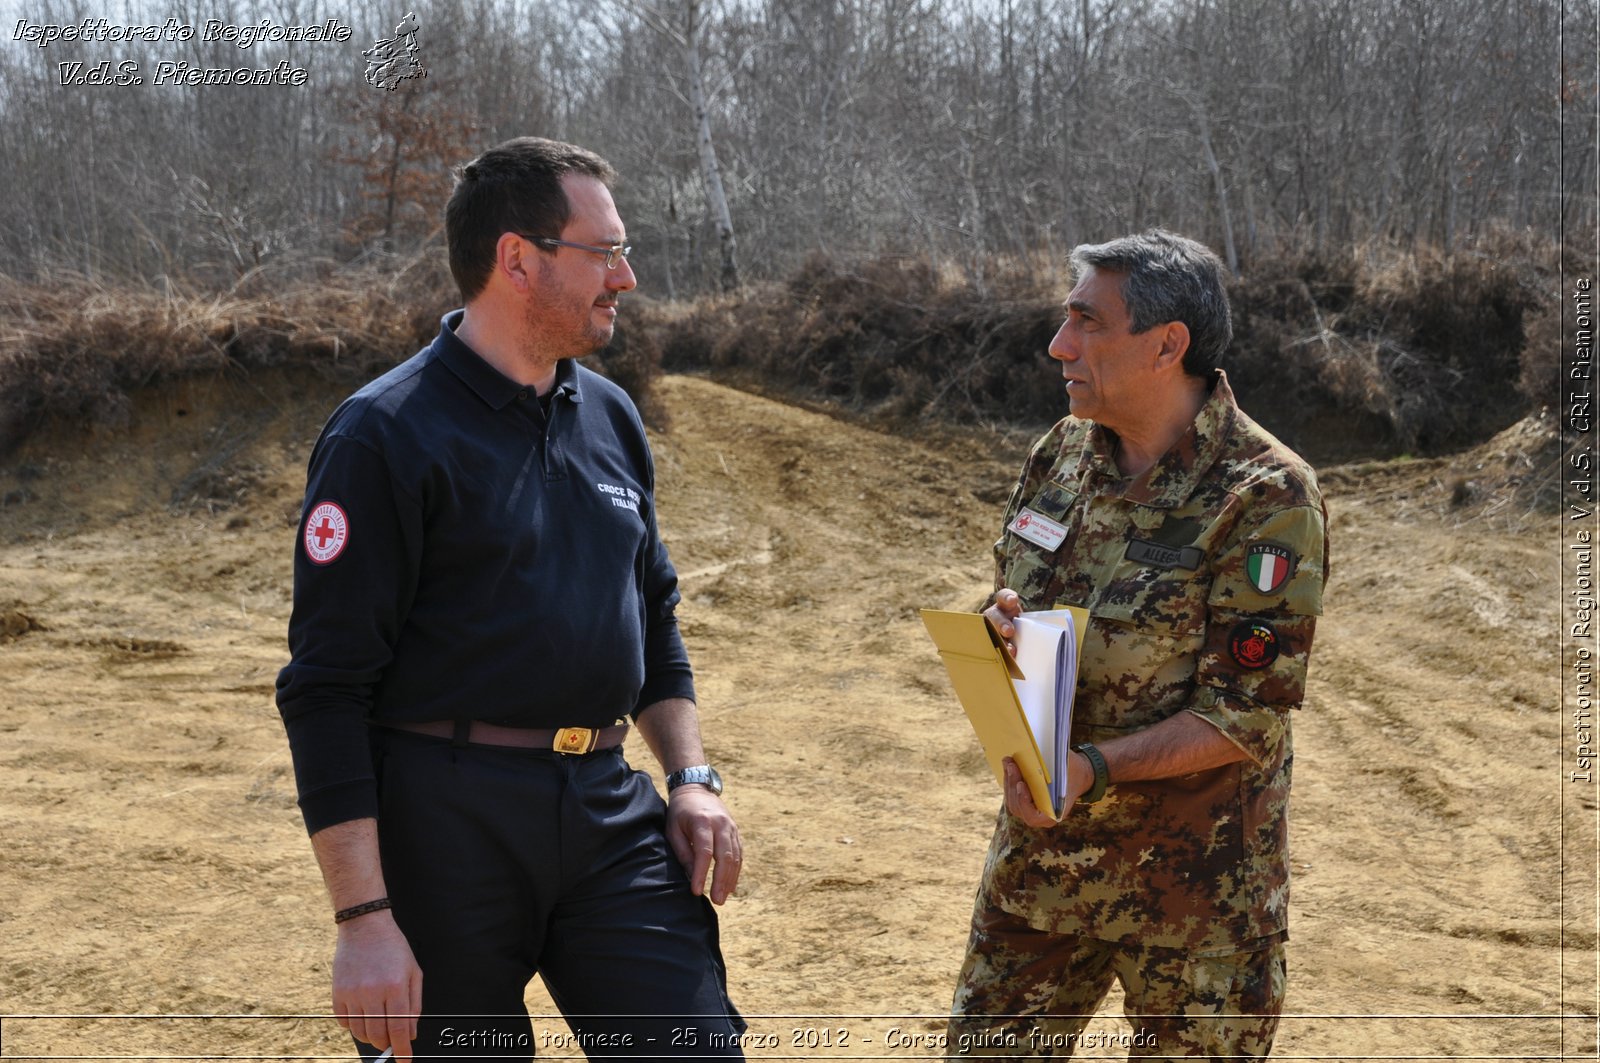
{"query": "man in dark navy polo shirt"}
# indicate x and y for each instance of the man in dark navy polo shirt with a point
(482, 602)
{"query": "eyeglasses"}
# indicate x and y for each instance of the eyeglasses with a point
(614, 254)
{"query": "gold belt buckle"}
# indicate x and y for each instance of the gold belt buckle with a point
(575, 741)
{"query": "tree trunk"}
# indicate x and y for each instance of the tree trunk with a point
(1220, 181)
(392, 177)
(716, 198)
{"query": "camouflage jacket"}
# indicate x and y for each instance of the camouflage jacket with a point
(1203, 578)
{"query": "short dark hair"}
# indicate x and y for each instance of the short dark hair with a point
(512, 187)
(1167, 277)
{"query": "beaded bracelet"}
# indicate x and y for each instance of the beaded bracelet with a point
(344, 915)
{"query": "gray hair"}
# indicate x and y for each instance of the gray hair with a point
(1167, 277)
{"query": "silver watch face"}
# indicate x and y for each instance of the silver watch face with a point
(703, 774)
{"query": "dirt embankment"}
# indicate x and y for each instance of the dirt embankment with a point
(155, 862)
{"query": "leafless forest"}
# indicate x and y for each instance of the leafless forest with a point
(754, 132)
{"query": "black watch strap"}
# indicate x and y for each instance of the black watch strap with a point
(1102, 774)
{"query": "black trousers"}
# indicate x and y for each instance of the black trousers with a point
(506, 862)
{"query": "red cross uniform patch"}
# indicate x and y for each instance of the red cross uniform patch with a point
(327, 532)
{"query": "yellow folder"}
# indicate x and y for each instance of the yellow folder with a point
(987, 682)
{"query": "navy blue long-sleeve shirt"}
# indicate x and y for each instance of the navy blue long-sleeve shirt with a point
(462, 555)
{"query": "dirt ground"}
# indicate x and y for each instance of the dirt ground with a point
(154, 863)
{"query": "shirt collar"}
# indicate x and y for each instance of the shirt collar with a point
(492, 386)
(1173, 478)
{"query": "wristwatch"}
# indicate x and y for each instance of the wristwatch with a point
(1102, 777)
(703, 774)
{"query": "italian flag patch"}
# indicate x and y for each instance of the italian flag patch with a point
(1269, 566)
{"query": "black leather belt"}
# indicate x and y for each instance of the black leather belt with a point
(574, 741)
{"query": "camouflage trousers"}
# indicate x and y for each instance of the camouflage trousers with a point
(1030, 993)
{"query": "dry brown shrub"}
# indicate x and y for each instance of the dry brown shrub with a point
(897, 337)
(1381, 352)
(633, 361)
(1544, 345)
(1367, 353)
(1539, 371)
(76, 349)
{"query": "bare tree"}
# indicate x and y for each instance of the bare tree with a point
(684, 25)
(970, 131)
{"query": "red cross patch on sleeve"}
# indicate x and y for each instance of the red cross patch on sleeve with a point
(327, 532)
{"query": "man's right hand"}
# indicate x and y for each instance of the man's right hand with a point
(377, 985)
(1019, 799)
(1006, 608)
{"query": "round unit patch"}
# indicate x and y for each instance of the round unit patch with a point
(327, 532)
(1253, 644)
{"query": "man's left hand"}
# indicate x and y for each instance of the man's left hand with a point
(702, 833)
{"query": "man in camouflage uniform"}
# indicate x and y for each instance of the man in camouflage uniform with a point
(1198, 544)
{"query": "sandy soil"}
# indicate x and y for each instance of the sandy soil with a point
(155, 864)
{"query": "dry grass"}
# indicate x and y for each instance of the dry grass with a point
(1378, 352)
(75, 348)
(902, 339)
(1370, 353)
